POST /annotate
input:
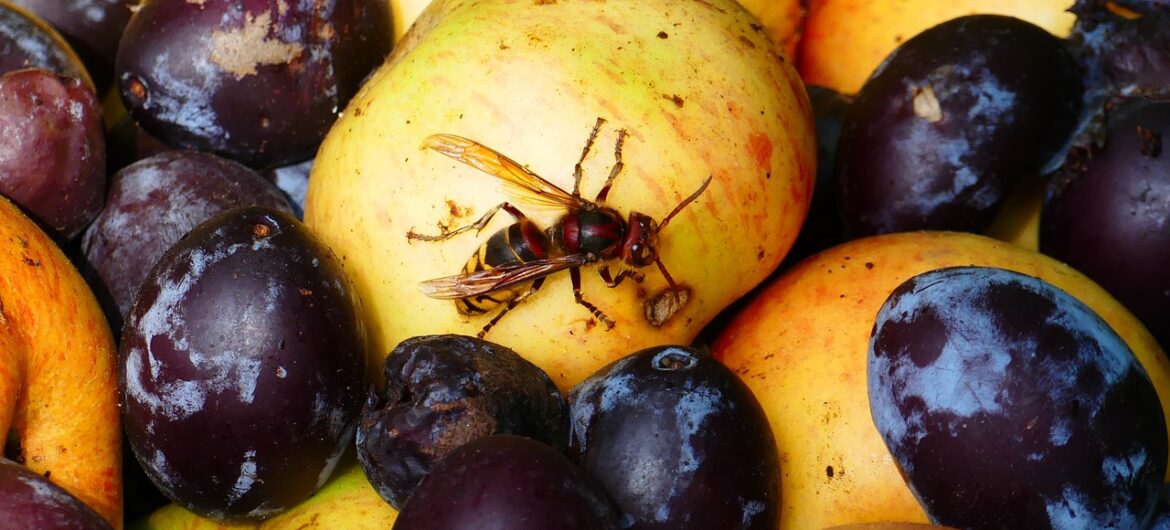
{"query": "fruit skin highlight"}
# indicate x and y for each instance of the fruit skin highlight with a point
(801, 343)
(58, 396)
(700, 93)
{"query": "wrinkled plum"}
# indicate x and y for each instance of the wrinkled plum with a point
(679, 441)
(258, 82)
(28, 500)
(506, 482)
(154, 202)
(939, 134)
(52, 149)
(1123, 45)
(443, 391)
(241, 366)
(1007, 403)
(27, 41)
(1108, 211)
(92, 28)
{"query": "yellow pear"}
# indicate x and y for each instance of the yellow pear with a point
(694, 91)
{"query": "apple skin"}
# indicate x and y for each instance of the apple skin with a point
(801, 344)
(889, 526)
(58, 397)
(702, 98)
(843, 41)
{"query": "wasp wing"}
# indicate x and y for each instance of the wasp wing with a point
(525, 184)
(481, 282)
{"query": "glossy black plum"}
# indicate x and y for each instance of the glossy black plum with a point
(1108, 211)
(241, 366)
(92, 28)
(154, 202)
(506, 482)
(939, 134)
(678, 441)
(28, 500)
(52, 149)
(28, 41)
(443, 391)
(260, 82)
(1007, 403)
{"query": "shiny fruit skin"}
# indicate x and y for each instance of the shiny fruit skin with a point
(678, 441)
(954, 117)
(259, 82)
(29, 41)
(1108, 210)
(154, 202)
(807, 367)
(241, 366)
(29, 500)
(844, 41)
(506, 482)
(1007, 403)
(740, 116)
(54, 149)
(92, 28)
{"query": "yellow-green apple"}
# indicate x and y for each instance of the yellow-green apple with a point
(845, 40)
(58, 398)
(693, 90)
(781, 20)
(801, 345)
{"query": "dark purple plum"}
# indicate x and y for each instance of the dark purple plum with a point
(241, 366)
(443, 391)
(52, 149)
(92, 28)
(1124, 45)
(154, 202)
(1007, 403)
(939, 134)
(27, 41)
(260, 82)
(506, 482)
(28, 500)
(1108, 211)
(678, 441)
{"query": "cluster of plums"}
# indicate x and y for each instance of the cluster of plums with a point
(242, 355)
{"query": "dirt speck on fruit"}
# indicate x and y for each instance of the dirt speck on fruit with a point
(926, 105)
(239, 51)
(663, 306)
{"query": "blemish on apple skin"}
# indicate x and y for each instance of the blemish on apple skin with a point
(663, 306)
(760, 148)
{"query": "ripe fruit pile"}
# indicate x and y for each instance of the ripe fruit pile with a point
(655, 264)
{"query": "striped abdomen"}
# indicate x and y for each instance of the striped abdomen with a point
(516, 244)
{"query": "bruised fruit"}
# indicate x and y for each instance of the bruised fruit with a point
(444, 391)
(950, 121)
(258, 82)
(52, 149)
(154, 202)
(241, 366)
(507, 482)
(29, 500)
(679, 441)
(1108, 211)
(1007, 403)
(27, 41)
